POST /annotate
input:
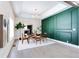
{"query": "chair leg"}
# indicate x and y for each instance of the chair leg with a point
(28, 41)
(22, 41)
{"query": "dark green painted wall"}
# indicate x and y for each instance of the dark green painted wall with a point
(63, 26)
(78, 26)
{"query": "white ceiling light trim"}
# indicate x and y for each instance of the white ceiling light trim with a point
(23, 8)
(75, 3)
(58, 8)
(34, 9)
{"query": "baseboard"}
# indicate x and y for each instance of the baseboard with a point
(10, 48)
(6, 50)
(68, 44)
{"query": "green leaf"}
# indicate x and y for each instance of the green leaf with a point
(19, 26)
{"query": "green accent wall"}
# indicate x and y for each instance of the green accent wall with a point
(63, 26)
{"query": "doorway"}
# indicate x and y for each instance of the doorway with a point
(30, 28)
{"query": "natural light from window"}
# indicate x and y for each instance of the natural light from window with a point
(11, 29)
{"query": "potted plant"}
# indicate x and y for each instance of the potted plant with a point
(19, 27)
(39, 30)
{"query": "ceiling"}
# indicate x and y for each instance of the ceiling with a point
(38, 9)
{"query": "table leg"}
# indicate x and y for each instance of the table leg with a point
(28, 41)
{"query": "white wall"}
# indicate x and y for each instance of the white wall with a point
(7, 12)
(11, 29)
(55, 10)
(35, 22)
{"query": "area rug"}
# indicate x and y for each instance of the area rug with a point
(32, 44)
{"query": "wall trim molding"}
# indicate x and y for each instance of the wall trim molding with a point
(67, 44)
(4, 52)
